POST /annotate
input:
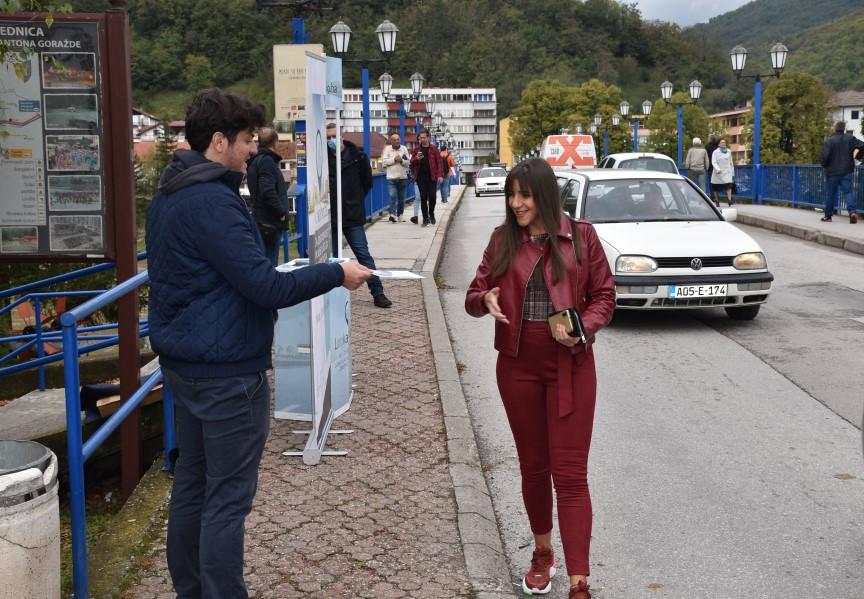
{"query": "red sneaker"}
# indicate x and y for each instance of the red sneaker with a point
(580, 591)
(538, 581)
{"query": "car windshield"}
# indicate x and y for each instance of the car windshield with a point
(492, 172)
(649, 164)
(645, 200)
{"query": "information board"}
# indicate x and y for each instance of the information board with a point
(52, 171)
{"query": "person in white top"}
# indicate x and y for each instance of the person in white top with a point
(394, 159)
(723, 176)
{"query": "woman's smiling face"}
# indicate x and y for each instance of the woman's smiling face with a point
(522, 204)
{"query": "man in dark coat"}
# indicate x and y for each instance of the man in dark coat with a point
(839, 164)
(710, 148)
(269, 193)
(356, 183)
(426, 171)
(213, 296)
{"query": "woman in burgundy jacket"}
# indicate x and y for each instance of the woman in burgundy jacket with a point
(539, 262)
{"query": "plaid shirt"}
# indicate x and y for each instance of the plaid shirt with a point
(537, 305)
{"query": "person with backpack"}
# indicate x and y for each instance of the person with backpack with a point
(268, 192)
(447, 164)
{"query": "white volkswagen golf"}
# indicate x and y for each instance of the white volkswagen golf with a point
(666, 243)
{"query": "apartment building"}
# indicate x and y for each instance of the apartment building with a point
(731, 125)
(470, 115)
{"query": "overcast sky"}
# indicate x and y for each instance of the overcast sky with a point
(686, 12)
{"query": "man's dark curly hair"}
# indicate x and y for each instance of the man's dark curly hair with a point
(214, 110)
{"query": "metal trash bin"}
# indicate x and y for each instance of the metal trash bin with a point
(29, 522)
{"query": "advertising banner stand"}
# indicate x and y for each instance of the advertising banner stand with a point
(313, 355)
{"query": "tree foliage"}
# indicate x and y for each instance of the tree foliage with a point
(547, 107)
(794, 120)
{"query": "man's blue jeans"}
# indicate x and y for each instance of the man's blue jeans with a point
(839, 184)
(397, 188)
(222, 425)
(445, 190)
(356, 237)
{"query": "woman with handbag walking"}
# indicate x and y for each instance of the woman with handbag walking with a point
(538, 264)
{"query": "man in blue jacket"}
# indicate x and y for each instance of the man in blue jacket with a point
(839, 164)
(213, 296)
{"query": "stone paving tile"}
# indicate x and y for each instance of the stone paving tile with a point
(380, 522)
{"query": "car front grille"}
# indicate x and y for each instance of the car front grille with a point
(666, 302)
(707, 262)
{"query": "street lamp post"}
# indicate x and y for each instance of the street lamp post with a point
(695, 94)
(340, 35)
(647, 105)
(778, 63)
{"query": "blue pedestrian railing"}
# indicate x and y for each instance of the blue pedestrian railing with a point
(42, 340)
(792, 184)
(80, 451)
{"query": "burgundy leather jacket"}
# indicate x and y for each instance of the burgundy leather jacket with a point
(588, 285)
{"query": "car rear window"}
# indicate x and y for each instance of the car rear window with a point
(649, 164)
(492, 172)
(645, 200)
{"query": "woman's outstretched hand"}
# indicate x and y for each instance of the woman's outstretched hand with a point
(491, 302)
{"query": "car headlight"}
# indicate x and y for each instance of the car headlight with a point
(749, 261)
(630, 264)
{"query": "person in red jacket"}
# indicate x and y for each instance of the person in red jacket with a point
(537, 263)
(426, 170)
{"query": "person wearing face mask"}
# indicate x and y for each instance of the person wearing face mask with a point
(723, 174)
(394, 159)
(356, 183)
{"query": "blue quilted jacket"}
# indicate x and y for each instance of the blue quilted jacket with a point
(213, 292)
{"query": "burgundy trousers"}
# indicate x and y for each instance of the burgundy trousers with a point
(552, 449)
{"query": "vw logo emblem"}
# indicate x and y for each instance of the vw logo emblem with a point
(696, 263)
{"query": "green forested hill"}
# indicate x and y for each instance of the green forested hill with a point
(833, 53)
(181, 45)
(758, 24)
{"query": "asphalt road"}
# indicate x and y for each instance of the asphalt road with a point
(726, 458)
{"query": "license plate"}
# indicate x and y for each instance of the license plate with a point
(688, 291)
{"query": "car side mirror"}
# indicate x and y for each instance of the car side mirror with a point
(730, 215)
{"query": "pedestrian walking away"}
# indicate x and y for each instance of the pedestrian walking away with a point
(697, 163)
(213, 296)
(538, 263)
(447, 164)
(426, 172)
(710, 148)
(269, 193)
(394, 159)
(356, 183)
(838, 160)
(723, 173)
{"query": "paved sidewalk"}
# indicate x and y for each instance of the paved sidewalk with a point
(804, 223)
(393, 519)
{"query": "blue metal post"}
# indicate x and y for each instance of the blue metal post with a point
(40, 346)
(364, 73)
(298, 35)
(681, 137)
(757, 132)
(635, 135)
(302, 215)
(401, 122)
(606, 142)
(168, 424)
(76, 459)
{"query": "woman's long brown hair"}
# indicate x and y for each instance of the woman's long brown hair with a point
(535, 175)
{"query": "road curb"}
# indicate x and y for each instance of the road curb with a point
(479, 534)
(802, 232)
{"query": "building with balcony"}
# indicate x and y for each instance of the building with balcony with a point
(730, 125)
(470, 115)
